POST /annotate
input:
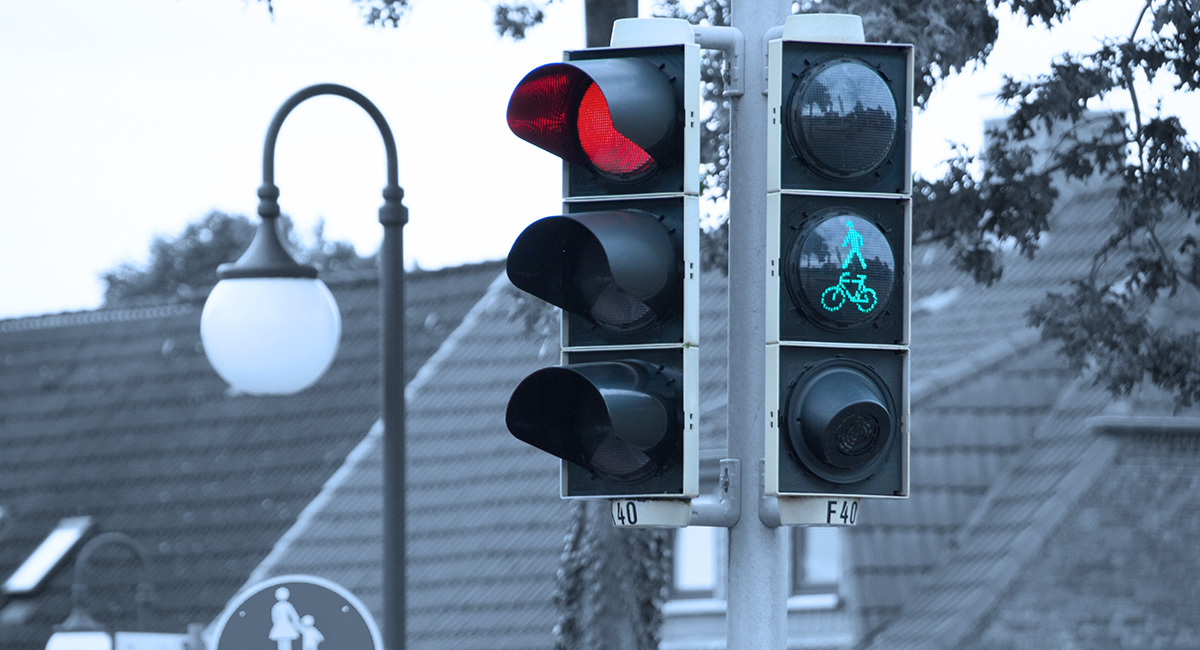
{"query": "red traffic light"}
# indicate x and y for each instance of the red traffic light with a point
(615, 116)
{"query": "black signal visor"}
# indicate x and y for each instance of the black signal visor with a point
(616, 117)
(617, 419)
(840, 421)
(620, 269)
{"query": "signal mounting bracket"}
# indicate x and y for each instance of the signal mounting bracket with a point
(638, 32)
(720, 511)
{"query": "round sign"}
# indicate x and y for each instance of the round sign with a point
(296, 612)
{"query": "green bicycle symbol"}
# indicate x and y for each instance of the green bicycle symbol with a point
(862, 296)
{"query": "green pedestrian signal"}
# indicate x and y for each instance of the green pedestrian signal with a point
(840, 284)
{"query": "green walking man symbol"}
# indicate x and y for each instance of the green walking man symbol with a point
(854, 240)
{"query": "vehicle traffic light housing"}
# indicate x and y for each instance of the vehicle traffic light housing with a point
(838, 268)
(621, 261)
(633, 252)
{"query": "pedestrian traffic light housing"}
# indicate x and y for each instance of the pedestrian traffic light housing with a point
(838, 267)
(621, 261)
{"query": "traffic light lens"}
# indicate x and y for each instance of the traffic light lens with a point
(619, 461)
(839, 421)
(616, 419)
(857, 434)
(562, 109)
(616, 270)
(840, 270)
(612, 154)
(842, 118)
(538, 109)
(608, 305)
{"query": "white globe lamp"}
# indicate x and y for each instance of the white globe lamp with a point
(270, 327)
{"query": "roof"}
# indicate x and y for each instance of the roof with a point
(485, 531)
(1005, 459)
(1011, 472)
(118, 416)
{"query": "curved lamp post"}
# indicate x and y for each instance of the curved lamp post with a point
(270, 327)
(81, 631)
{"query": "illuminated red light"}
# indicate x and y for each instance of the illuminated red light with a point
(561, 110)
(609, 151)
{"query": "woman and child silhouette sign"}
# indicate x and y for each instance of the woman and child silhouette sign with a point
(296, 612)
(287, 625)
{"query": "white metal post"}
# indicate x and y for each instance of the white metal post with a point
(757, 589)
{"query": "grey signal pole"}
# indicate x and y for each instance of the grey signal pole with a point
(758, 565)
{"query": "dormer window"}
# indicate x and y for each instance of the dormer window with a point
(29, 577)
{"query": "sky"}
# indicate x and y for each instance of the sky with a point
(122, 121)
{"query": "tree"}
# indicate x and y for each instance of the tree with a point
(511, 19)
(184, 268)
(1106, 323)
(611, 583)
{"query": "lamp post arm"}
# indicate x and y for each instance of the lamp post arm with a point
(393, 173)
(80, 619)
(391, 212)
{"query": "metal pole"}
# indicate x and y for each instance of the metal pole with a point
(758, 560)
(391, 310)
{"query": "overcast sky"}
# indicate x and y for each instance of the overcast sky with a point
(123, 120)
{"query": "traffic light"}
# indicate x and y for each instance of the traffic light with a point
(838, 271)
(621, 261)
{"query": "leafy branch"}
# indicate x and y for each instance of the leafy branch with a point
(1114, 322)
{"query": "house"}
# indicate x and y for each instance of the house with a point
(113, 421)
(1044, 512)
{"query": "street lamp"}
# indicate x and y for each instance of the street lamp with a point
(81, 631)
(270, 327)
